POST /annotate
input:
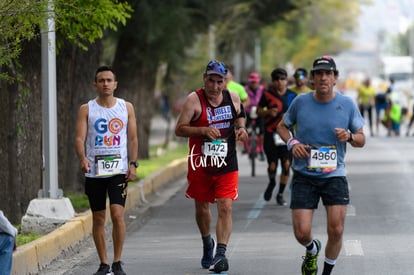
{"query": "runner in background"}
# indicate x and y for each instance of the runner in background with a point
(255, 91)
(273, 104)
(301, 81)
(366, 101)
(236, 87)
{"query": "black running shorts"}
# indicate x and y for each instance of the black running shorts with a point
(97, 189)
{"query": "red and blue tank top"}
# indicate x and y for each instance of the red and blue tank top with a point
(218, 156)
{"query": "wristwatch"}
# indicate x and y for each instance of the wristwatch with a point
(135, 163)
(351, 137)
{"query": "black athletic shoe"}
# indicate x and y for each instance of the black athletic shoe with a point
(220, 263)
(280, 200)
(208, 253)
(104, 269)
(269, 190)
(261, 156)
(117, 268)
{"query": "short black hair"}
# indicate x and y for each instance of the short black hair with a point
(104, 68)
(277, 73)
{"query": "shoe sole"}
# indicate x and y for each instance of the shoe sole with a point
(281, 204)
(108, 273)
(220, 266)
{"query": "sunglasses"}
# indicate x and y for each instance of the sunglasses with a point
(217, 66)
(300, 76)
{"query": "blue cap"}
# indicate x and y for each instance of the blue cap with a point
(216, 67)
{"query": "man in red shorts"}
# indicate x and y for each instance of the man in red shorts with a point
(213, 118)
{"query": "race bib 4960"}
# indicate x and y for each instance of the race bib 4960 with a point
(323, 157)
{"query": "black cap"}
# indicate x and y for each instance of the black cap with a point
(278, 72)
(324, 63)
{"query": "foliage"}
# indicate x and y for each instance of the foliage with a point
(156, 33)
(403, 43)
(307, 32)
(294, 31)
(84, 21)
(79, 21)
(244, 19)
(166, 29)
(18, 22)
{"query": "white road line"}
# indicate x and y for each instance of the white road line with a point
(253, 214)
(350, 210)
(353, 248)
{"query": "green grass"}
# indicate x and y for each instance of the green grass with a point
(146, 167)
(25, 238)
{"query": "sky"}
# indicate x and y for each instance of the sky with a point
(388, 16)
(391, 16)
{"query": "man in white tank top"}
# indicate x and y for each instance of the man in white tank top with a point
(106, 143)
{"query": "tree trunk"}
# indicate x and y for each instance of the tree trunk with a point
(134, 88)
(136, 83)
(21, 109)
(75, 76)
(8, 150)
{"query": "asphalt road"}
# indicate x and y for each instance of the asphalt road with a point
(163, 238)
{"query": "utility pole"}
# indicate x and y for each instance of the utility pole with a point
(411, 46)
(49, 110)
(50, 209)
(257, 53)
(212, 42)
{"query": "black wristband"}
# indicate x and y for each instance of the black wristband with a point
(135, 163)
(351, 137)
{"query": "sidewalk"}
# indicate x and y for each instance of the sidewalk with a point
(31, 258)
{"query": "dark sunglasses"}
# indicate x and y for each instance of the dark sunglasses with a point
(217, 66)
(300, 76)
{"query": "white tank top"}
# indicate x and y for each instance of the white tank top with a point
(106, 141)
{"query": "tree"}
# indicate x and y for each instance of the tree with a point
(309, 31)
(79, 23)
(158, 33)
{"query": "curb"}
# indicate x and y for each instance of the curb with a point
(31, 258)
